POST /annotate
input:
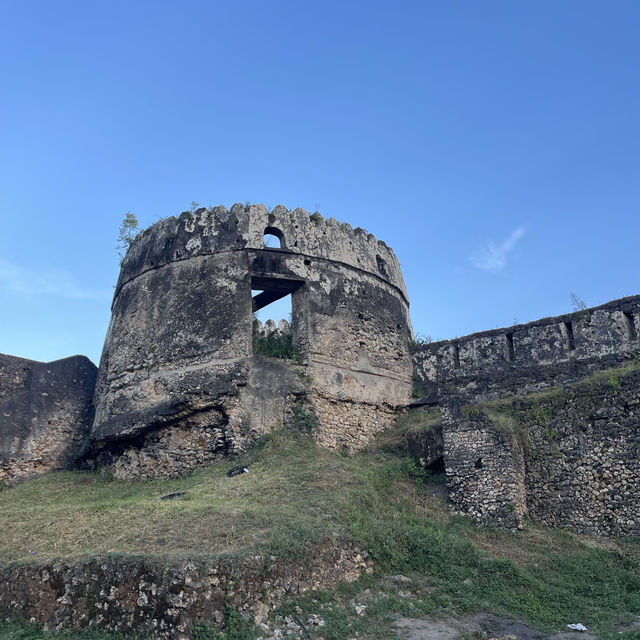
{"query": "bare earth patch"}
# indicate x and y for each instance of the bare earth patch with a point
(481, 625)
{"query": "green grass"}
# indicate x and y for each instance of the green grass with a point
(425, 418)
(296, 494)
(394, 441)
(21, 630)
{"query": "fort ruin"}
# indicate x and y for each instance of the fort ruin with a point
(539, 420)
(179, 385)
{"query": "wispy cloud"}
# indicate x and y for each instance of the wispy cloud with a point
(50, 282)
(493, 258)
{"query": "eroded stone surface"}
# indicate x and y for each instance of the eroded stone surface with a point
(531, 357)
(45, 414)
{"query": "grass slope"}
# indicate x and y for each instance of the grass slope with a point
(296, 494)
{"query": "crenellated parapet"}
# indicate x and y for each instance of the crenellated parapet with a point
(532, 356)
(218, 230)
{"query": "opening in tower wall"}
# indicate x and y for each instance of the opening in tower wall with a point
(272, 330)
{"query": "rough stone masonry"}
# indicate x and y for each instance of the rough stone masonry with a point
(542, 420)
(179, 385)
(45, 414)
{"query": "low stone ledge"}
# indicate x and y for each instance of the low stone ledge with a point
(166, 600)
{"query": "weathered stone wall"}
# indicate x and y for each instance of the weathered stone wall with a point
(346, 425)
(45, 414)
(358, 341)
(208, 414)
(217, 230)
(161, 600)
(567, 457)
(485, 469)
(575, 468)
(14, 375)
(583, 454)
(178, 352)
(530, 357)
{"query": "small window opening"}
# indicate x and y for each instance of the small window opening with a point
(273, 238)
(382, 266)
(278, 310)
(271, 241)
(456, 355)
(629, 325)
(478, 463)
(570, 340)
(510, 353)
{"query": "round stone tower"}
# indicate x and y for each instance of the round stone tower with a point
(179, 384)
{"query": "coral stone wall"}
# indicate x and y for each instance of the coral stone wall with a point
(346, 425)
(45, 414)
(178, 355)
(583, 454)
(156, 599)
(530, 357)
(566, 457)
(357, 357)
(485, 469)
(529, 426)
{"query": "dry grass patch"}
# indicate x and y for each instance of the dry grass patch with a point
(73, 514)
(296, 494)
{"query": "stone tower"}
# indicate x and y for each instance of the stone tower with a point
(178, 383)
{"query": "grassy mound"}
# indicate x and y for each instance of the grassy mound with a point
(296, 494)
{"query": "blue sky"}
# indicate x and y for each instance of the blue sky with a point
(495, 145)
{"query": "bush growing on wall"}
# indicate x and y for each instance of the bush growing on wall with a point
(126, 234)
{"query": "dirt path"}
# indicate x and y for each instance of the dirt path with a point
(488, 625)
